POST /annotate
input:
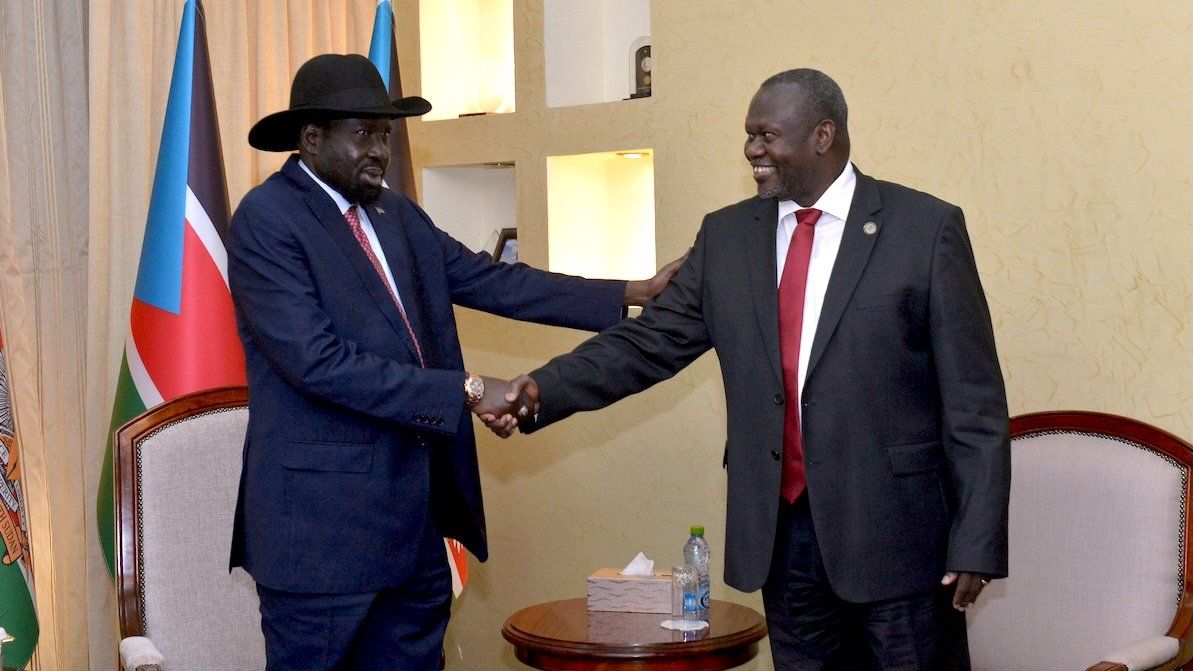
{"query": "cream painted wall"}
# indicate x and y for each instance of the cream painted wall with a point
(1064, 129)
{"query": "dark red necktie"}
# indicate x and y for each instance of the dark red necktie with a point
(353, 219)
(791, 325)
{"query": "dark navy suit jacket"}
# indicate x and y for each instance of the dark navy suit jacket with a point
(352, 446)
(905, 428)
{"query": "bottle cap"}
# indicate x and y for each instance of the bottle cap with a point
(698, 530)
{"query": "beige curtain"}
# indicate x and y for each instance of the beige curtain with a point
(43, 266)
(255, 49)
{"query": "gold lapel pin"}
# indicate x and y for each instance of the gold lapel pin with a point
(379, 210)
(870, 228)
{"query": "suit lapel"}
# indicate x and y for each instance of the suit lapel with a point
(330, 218)
(764, 287)
(400, 257)
(856, 245)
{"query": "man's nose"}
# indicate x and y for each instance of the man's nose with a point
(754, 148)
(379, 147)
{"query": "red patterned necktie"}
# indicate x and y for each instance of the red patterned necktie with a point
(791, 325)
(353, 219)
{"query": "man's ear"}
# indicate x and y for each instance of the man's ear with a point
(826, 132)
(310, 138)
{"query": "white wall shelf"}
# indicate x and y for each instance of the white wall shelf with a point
(590, 49)
(600, 214)
(472, 202)
(467, 54)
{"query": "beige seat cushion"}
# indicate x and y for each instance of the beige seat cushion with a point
(197, 615)
(1095, 555)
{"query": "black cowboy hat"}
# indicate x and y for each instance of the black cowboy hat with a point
(332, 86)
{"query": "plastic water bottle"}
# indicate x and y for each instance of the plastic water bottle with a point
(695, 554)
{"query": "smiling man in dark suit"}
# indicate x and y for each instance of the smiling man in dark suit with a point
(867, 454)
(360, 454)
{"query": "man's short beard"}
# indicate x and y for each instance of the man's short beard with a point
(364, 194)
(781, 190)
(353, 190)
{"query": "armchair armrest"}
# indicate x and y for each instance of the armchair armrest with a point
(138, 653)
(1157, 652)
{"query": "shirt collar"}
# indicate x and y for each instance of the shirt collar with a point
(835, 200)
(341, 202)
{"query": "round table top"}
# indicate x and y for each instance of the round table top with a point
(566, 636)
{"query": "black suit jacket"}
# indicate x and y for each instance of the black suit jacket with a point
(904, 413)
(352, 447)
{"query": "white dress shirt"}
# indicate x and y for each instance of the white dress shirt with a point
(365, 224)
(834, 205)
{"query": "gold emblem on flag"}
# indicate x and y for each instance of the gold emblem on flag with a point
(16, 543)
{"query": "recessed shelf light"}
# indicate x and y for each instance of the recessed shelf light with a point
(600, 214)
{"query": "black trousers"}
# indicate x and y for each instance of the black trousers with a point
(812, 629)
(395, 629)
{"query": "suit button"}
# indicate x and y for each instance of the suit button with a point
(439, 422)
(776, 455)
(778, 399)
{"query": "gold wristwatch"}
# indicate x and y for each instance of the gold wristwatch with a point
(474, 390)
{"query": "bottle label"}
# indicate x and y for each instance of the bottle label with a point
(705, 599)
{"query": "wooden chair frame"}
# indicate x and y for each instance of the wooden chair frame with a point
(126, 447)
(1148, 437)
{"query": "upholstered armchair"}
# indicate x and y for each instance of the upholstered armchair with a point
(1099, 550)
(177, 470)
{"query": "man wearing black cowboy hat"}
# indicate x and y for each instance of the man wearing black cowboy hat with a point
(360, 454)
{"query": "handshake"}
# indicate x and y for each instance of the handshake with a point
(505, 404)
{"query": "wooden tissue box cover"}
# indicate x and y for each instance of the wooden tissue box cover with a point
(608, 590)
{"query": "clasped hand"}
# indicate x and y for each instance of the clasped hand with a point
(505, 404)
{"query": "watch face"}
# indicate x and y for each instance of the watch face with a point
(475, 388)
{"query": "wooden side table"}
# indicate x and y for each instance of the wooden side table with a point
(564, 636)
